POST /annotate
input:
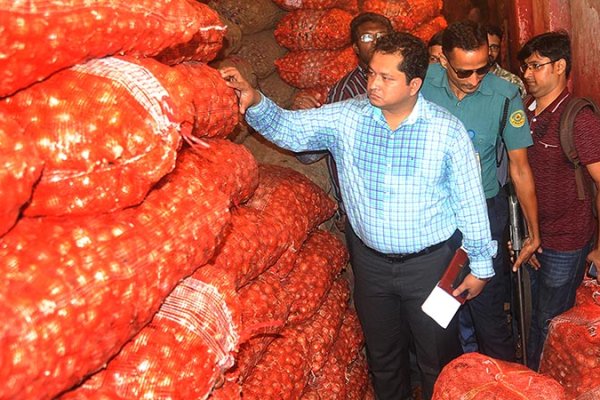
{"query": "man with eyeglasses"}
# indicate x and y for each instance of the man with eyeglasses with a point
(365, 29)
(567, 224)
(494, 35)
(462, 85)
(409, 177)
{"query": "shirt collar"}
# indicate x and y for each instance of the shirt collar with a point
(419, 112)
(554, 105)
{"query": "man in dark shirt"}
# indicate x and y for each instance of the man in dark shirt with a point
(365, 29)
(567, 224)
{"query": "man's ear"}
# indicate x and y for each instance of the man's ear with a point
(415, 85)
(443, 61)
(560, 66)
(355, 48)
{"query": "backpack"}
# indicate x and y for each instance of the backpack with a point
(565, 132)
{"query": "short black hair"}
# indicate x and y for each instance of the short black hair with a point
(415, 58)
(494, 30)
(554, 45)
(464, 35)
(436, 40)
(368, 17)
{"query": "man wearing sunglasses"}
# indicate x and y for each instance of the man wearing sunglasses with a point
(461, 84)
(365, 29)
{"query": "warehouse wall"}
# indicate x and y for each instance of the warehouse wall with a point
(581, 18)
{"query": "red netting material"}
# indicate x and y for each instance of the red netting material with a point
(430, 28)
(319, 93)
(263, 301)
(288, 196)
(40, 37)
(183, 352)
(320, 260)
(312, 68)
(108, 159)
(324, 326)
(352, 6)
(287, 205)
(478, 377)
(102, 277)
(20, 167)
(357, 378)
(314, 30)
(332, 381)
(291, 5)
(572, 351)
(102, 160)
(405, 15)
(588, 292)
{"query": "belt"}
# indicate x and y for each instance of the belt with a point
(403, 257)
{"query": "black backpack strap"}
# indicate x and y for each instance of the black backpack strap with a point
(567, 122)
(500, 148)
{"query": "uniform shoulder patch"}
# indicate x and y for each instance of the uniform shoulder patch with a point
(517, 119)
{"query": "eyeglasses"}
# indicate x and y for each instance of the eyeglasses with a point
(370, 37)
(494, 47)
(533, 66)
(465, 73)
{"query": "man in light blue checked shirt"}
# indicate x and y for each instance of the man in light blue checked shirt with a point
(410, 180)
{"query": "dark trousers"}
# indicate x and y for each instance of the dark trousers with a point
(388, 297)
(492, 328)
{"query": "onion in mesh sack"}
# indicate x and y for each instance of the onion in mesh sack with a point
(40, 37)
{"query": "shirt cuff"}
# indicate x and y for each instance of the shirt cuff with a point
(481, 262)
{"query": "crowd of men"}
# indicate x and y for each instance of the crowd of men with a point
(421, 141)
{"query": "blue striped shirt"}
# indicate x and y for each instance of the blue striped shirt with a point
(404, 190)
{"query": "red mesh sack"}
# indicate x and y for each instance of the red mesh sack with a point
(283, 371)
(204, 46)
(286, 205)
(261, 50)
(94, 282)
(323, 328)
(184, 350)
(291, 5)
(212, 158)
(229, 391)
(107, 160)
(571, 352)
(357, 378)
(251, 16)
(41, 37)
(314, 29)
(405, 15)
(288, 196)
(349, 5)
(350, 338)
(588, 292)
(311, 68)
(426, 31)
(20, 167)
(319, 93)
(479, 377)
(247, 251)
(102, 160)
(320, 260)
(207, 106)
(264, 304)
(331, 382)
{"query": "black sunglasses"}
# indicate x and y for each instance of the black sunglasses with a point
(465, 73)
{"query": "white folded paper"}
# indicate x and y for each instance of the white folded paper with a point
(440, 306)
